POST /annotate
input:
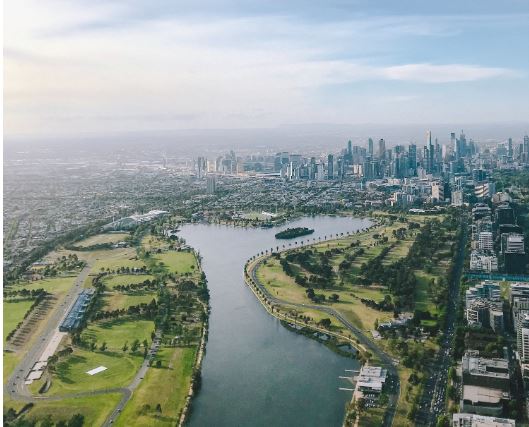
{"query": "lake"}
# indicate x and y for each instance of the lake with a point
(255, 371)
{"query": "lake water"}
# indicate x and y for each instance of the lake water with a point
(256, 372)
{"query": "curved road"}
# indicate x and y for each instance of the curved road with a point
(386, 360)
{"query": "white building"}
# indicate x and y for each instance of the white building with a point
(483, 262)
(474, 420)
(485, 241)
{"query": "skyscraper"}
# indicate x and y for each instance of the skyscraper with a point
(370, 146)
(381, 148)
(412, 159)
(330, 166)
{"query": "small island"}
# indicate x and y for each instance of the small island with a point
(290, 233)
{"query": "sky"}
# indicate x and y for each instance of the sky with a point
(91, 66)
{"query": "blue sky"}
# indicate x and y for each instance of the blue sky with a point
(101, 66)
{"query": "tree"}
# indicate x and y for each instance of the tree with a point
(158, 363)
(93, 345)
(103, 346)
(125, 346)
(159, 408)
(135, 345)
(77, 420)
(326, 322)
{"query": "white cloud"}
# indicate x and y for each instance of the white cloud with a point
(449, 73)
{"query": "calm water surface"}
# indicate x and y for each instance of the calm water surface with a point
(256, 372)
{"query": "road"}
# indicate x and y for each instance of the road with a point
(17, 390)
(386, 360)
(433, 400)
(129, 390)
(15, 386)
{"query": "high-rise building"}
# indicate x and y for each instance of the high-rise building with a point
(412, 159)
(438, 192)
(381, 148)
(370, 146)
(330, 166)
(211, 184)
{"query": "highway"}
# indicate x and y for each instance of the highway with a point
(433, 400)
(387, 361)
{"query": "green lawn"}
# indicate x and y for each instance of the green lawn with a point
(10, 362)
(116, 332)
(71, 376)
(13, 314)
(167, 386)
(94, 408)
(118, 300)
(177, 262)
(422, 292)
(99, 239)
(55, 285)
(112, 281)
(117, 258)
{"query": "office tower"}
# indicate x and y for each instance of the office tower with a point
(509, 148)
(525, 150)
(381, 149)
(211, 185)
(412, 159)
(453, 141)
(438, 191)
(330, 166)
(370, 146)
(430, 161)
(200, 167)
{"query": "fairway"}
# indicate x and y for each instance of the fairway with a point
(95, 409)
(116, 332)
(117, 258)
(56, 286)
(166, 386)
(71, 376)
(14, 313)
(112, 281)
(99, 239)
(177, 262)
(118, 300)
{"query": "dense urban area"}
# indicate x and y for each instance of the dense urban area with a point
(106, 306)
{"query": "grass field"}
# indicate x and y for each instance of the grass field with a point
(116, 332)
(99, 239)
(9, 363)
(56, 285)
(422, 292)
(284, 287)
(166, 386)
(95, 409)
(112, 281)
(13, 314)
(150, 243)
(118, 300)
(177, 262)
(117, 258)
(71, 376)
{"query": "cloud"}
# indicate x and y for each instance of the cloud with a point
(449, 73)
(83, 64)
